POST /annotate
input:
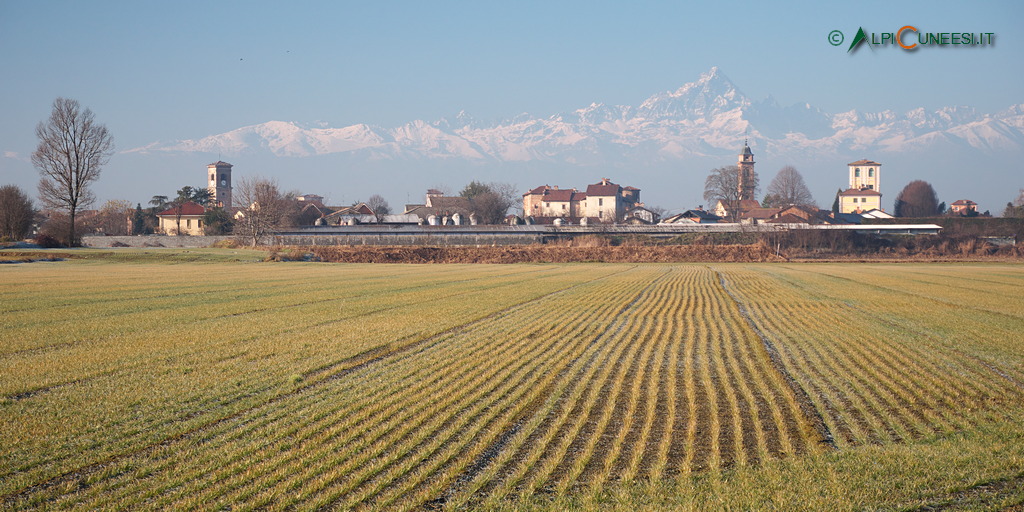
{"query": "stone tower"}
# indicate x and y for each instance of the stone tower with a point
(865, 174)
(746, 173)
(220, 183)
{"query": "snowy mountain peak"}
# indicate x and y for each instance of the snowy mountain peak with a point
(712, 94)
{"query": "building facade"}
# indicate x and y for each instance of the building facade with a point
(964, 207)
(608, 201)
(189, 222)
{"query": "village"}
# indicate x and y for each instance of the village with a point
(603, 203)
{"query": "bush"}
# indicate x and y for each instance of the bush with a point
(226, 244)
(47, 242)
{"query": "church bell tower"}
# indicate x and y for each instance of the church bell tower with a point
(219, 183)
(745, 180)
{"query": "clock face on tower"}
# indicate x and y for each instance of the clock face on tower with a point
(223, 183)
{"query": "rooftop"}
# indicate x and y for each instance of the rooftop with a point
(188, 208)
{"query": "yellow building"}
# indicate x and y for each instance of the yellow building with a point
(864, 193)
(190, 222)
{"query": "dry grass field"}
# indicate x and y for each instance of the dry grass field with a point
(211, 382)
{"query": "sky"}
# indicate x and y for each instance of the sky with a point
(162, 71)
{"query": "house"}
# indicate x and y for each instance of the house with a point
(796, 214)
(344, 215)
(191, 220)
(641, 215)
(964, 207)
(608, 201)
(312, 214)
(758, 215)
(876, 214)
(696, 216)
(440, 207)
(604, 200)
(548, 201)
(734, 208)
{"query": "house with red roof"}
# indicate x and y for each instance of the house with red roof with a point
(186, 219)
(604, 200)
(964, 207)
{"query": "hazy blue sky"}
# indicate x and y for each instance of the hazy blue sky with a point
(156, 71)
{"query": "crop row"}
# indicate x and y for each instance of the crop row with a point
(884, 364)
(401, 387)
(647, 373)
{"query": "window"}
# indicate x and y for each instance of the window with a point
(563, 206)
(188, 223)
(547, 205)
(213, 177)
(600, 201)
(200, 222)
(871, 173)
(856, 172)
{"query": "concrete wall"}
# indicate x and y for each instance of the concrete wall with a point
(153, 241)
(438, 239)
(409, 239)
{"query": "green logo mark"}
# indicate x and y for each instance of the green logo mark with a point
(857, 39)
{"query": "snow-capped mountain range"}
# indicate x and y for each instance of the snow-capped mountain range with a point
(707, 118)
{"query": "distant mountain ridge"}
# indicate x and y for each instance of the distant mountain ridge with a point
(708, 117)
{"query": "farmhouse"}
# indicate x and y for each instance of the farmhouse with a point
(547, 201)
(605, 201)
(186, 219)
(964, 207)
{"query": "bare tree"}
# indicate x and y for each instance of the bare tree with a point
(490, 201)
(16, 213)
(379, 206)
(659, 212)
(72, 150)
(917, 199)
(722, 184)
(114, 217)
(788, 187)
(264, 209)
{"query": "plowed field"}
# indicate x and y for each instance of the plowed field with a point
(333, 386)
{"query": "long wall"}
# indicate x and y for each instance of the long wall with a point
(433, 239)
(153, 241)
(488, 235)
